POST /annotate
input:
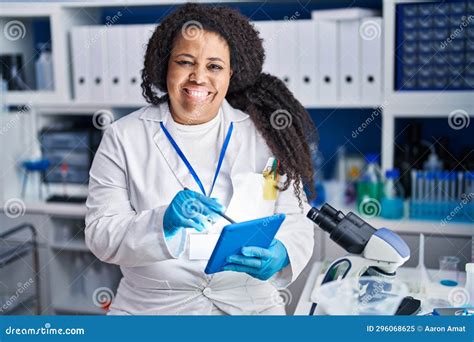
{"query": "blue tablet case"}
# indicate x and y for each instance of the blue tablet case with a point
(258, 233)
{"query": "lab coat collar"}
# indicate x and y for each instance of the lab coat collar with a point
(181, 172)
(162, 113)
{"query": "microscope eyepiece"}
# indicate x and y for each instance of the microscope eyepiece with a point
(329, 210)
(349, 231)
(323, 218)
(334, 214)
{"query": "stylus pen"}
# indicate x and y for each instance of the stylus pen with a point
(219, 213)
(223, 215)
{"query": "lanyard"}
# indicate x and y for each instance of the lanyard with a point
(188, 164)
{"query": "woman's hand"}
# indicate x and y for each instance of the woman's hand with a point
(190, 209)
(259, 262)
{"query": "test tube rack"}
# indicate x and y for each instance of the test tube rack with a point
(442, 195)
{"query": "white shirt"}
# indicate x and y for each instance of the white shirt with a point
(202, 145)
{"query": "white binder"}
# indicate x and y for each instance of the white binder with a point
(268, 33)
(98, 71)
(349, 61)
(327, 53)
(307, 62)
(288, 56)
(115, 82)
(80, 63)
(134, 54)
(147, 32)
(371, 63)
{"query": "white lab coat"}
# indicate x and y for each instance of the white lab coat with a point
(135, 175)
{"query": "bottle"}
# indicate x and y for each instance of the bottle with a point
(3, 94)
(318, 161)
(392, 198)
(433, 163)
(17, 79)
(370, 187)
(44, 69)
(470, 282)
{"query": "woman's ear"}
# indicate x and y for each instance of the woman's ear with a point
(231, 72)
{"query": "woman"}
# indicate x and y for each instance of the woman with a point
(212, 133)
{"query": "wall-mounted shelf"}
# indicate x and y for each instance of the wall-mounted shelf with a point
(416, 104)
(21, 41)
(19, 98)
(415, 110)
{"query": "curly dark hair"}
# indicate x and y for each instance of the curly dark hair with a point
(264, 97)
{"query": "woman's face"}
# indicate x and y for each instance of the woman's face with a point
(198, 76)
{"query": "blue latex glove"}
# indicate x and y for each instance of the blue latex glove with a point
(259, 262)
(190, 209)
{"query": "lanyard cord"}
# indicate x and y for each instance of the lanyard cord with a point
(188, 164)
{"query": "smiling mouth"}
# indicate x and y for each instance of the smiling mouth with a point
(197, 94)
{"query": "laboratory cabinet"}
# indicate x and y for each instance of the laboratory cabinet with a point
(72, 280)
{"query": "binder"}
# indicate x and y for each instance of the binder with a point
(98, 71)
(134, 55)
(115, 82)
(80, 63)
(288, 56)
(372, 65)
(349, 61)
(327, 56)
(147, 32)
(268, 32)
(307, 76)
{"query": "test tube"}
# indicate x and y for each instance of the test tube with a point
(414, 193)
(469, 188)
(431, 194)
(419, 180)
(444, 205)
(467, 176)
(445, 187)
(460, 183)
(452, 184)
(432, 182)
(426, 195)
(439, 186)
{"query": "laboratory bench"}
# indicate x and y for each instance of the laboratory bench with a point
(65, 258)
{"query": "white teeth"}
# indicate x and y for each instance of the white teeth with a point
(197, 93)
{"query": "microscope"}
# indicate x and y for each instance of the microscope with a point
(372, 252)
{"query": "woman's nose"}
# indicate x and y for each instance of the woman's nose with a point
(198, 75)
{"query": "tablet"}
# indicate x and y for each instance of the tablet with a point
(258, 233)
